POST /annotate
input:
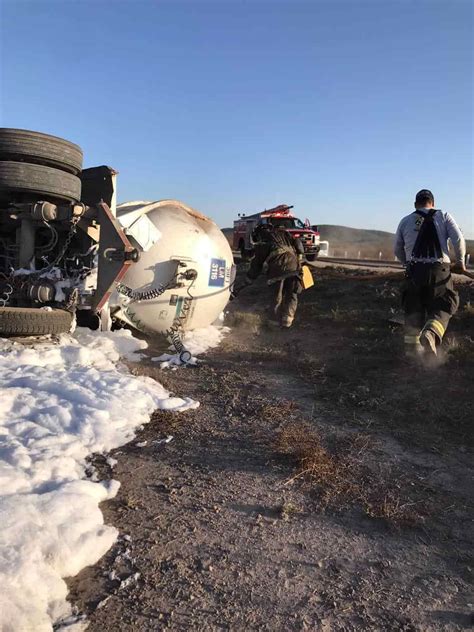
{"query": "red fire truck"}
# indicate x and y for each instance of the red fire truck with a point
(278, 216)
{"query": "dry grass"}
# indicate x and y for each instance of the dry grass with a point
(279, 411)
(461, 350)
(340, 315)
(287, 510)
(339, 474)
(164, 422)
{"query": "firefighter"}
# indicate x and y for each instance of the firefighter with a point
(429, 298)
(280, 255)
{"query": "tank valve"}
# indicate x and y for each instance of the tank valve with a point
(190, 274)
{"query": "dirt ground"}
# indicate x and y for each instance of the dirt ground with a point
(325, 483)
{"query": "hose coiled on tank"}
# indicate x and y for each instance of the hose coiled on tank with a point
(176, 331)
(147, 295)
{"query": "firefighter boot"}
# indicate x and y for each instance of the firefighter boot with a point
(286, 321)
(413, 347)
(428, 341)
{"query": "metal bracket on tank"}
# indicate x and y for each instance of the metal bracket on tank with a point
(116, 254)
(190, 274)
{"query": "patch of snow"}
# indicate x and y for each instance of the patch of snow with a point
(113, 575)
(73, 326)
(23, 271)
(172, 361)
(167, 439)
(102, 603)
(73, 623)
(219, 320)
(196, 342)
(58, 404)
(201, 340)
(59, 287)
(131, 579)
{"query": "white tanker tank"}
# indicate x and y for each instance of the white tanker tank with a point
(183, 278)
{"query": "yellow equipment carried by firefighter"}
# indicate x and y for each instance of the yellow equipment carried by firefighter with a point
(307, 278)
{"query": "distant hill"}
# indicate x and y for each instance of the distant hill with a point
(369, 243)
(351, 240)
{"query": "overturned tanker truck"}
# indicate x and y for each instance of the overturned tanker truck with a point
(67, 250)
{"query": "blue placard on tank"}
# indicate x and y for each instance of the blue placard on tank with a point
(217, 273)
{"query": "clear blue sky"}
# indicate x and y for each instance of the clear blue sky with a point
(344, 109)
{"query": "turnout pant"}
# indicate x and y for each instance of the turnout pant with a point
(429, 301)
(285, 298)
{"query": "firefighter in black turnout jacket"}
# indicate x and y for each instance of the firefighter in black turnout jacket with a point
(428, 297)
(280, 255)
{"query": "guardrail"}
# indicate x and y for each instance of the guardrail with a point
(376, 263)
(356, 259)
(366, 263)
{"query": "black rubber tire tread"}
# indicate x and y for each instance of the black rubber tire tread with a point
(35, 147)
(32, 321)
(23, 177)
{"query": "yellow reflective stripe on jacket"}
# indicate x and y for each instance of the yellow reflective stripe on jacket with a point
(436, 326)
(412, 339)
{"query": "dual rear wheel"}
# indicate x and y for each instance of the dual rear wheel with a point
(34, 164)
(37, 167)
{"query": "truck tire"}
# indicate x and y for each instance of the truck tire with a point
(22, 177)
(33, 147)
(30, 321)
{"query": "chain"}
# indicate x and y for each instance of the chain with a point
(64, 249)
(67, 243)
(72, 300)
(74, 296)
